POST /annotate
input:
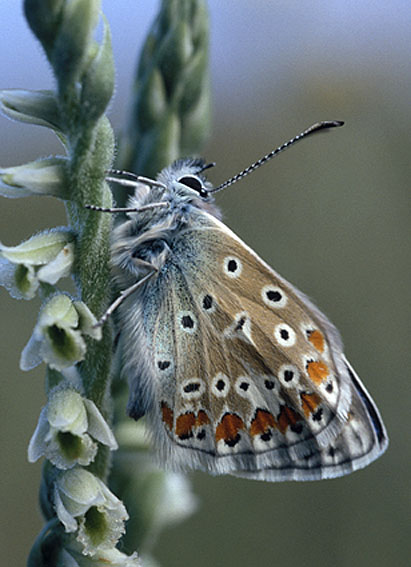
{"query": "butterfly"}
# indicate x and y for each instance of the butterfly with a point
(236, 371)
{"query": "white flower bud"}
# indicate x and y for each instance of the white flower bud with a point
(68, 429)
(33, 107)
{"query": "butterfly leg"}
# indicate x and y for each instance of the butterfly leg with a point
(143, 265)
(158, 205)
(123, 295)
(129, 179)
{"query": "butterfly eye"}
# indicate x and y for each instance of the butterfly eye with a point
(193, 183)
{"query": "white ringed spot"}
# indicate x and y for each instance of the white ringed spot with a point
(331, 390)
(285, 335)
(274, 296)
(288, 375)
(269, 382)
(232, 267)
(164, 364)
(244, 386)
(192, 388)
(243, 324)
(207, 302)
(187, 321)
(240, 328)
(220, 385)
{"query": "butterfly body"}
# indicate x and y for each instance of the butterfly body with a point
(236, 370)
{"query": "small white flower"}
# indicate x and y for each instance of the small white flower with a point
(68, 429)
(45, 257)
(42, 177)
(58, 338)
(86, 506)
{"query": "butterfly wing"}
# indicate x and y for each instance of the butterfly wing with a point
(247, 376)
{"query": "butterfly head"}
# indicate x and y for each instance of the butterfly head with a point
(184, 177)
(185, 185)
(181, 186)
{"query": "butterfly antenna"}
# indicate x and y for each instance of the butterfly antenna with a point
(311, 130)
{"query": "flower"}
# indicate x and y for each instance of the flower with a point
(85, 505)
(44, 176)
(45, 257)
(67, 430)
(58, 337)
(54, 547)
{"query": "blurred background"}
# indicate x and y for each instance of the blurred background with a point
(332, 215)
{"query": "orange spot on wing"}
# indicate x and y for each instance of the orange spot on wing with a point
(167, 415)
(309, 402)
(287, 418)
(228, 428)
(202, 418)
(262, 422)
(317, 371)
(316, 338)
(186, 422)
(184, 425)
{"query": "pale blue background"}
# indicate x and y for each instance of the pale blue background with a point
(332, 215)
